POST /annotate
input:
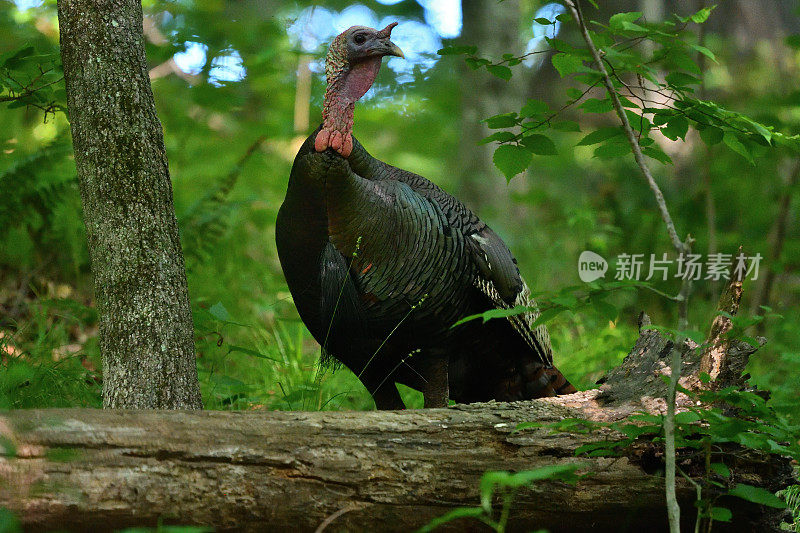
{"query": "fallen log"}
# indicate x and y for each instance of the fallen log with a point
(98, 470)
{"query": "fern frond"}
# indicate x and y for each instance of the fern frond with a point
(791, 495)
(35, 183)
(206, 221)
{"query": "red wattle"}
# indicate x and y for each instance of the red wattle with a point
(336, 140)
(337, 110)
(321, 142)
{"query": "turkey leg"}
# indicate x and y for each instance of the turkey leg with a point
(436, 390)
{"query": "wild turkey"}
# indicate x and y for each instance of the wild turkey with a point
(381, 263)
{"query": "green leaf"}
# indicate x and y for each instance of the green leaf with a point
(757, 495)
(219, 312)
(566, 300)
(494, 313)
(505, 120)
(721, 469)
(455, 514)
(499, 136)
(574, 93)
(566, 125)
(9, 522)
(711, 135)
(732, 141)
(533, 107)
(758, 129)
(457, 50)
(476, 62)
(597, 105)
(631, 27)
(567, 64)
(8, 449)
(612, 149)
(491, 480)
(511, 160)
(561, 46)
(500, 71)
(539, 144)
(721, 514)
(615, 22)
(547, 315)
(677, 127)
(656, 153)
(565, 17)
(14, 57)
(600, 135)
(681, 79)
(686, 417)
(638, 122)
(705, 51)
(702, 15)
(542, 21)
(683, 61)
(248, 351)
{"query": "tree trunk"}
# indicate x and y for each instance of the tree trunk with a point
(146, 332)
(494, 28)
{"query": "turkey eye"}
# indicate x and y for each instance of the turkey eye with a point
(360, 38)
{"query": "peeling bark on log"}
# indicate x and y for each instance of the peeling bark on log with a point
(96, 470)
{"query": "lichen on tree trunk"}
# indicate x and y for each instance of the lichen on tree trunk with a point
(146, 331)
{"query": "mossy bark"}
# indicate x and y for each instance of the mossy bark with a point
(146, 331)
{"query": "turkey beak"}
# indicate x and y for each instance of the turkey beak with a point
(394, 50)
(387, 47)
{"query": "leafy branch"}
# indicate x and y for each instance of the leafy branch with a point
(31, 79)
(673, 509)
(713, 441)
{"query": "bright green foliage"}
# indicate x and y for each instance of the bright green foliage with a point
(704, 435)
(791, 495)
(654, 101)
(503, 485)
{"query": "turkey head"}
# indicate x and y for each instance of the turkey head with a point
(353, 61)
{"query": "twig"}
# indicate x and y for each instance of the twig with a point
(673, 509)
(699, 492)
(637, 152)
(28, 91)
(354, 506)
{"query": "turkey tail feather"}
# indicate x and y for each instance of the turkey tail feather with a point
(532, 381)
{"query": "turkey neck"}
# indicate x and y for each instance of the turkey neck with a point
(345, 86)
